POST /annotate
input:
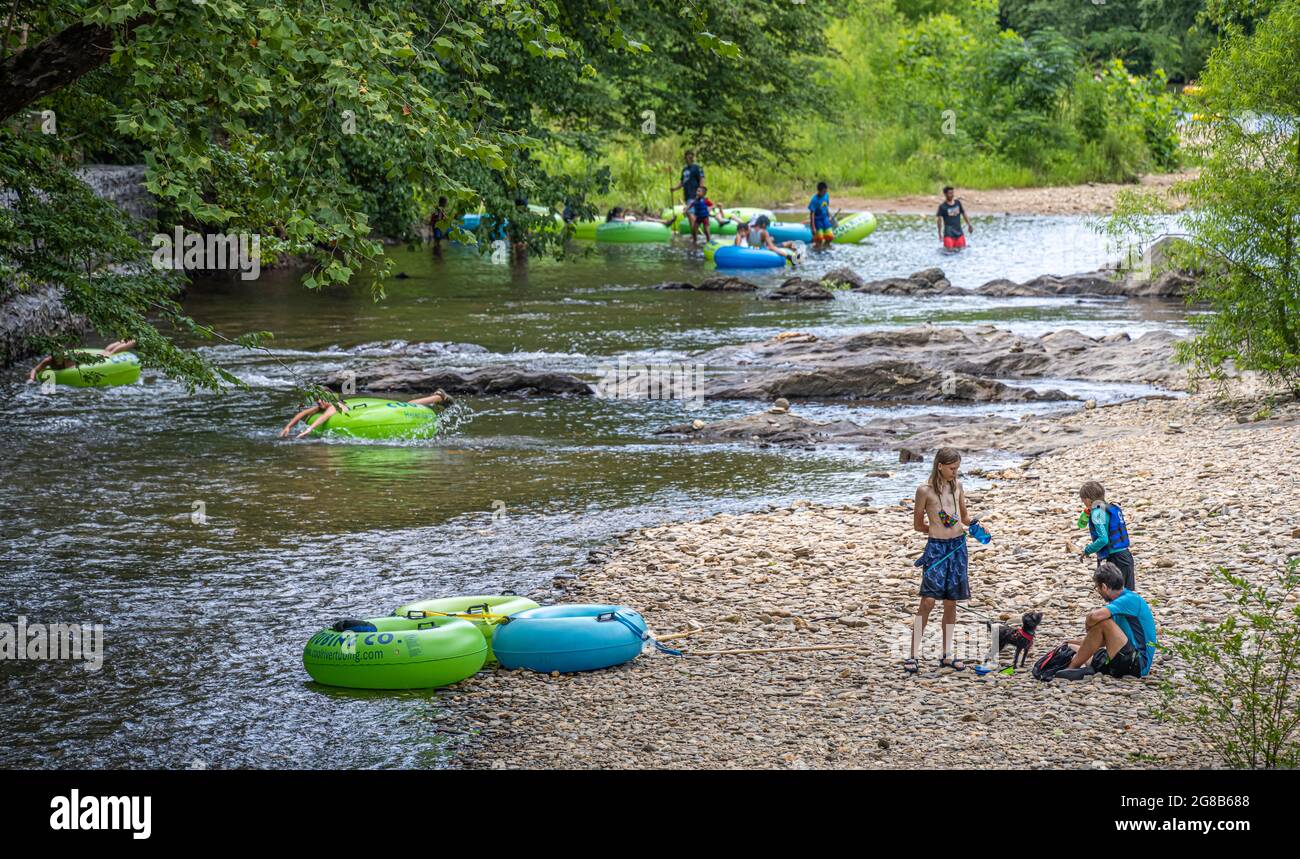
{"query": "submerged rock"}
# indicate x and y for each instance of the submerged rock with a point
(716, 283)
(798, 289)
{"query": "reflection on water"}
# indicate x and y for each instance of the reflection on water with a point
(206, 620)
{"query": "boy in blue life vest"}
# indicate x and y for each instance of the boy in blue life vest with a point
(1109, 532)
(819, 217)
(699, 211)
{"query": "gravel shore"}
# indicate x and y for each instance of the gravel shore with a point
(1094, 198)
(1200, 487)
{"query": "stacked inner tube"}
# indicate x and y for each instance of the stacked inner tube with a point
(433, 643)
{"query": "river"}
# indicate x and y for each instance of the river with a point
(210, 550)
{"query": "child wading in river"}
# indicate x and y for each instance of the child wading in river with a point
(940, 512)
(1109, 532)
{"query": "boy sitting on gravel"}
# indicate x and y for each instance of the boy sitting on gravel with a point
(1123, 632)
(1109, 533)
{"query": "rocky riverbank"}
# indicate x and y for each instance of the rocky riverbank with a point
(1199, 485)
(1092, 198)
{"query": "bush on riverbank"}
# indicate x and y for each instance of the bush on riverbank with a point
(1240, 693)
(946, 97)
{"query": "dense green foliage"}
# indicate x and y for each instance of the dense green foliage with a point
(318, 126)
(935, 93)
(1244, 223)
(1145, 34)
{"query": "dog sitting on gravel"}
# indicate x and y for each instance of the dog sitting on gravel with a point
(1022, 638)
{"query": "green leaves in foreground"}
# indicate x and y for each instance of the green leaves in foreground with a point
(1238, 690)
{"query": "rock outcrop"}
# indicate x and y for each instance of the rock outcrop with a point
(983, 351)
(405, 376)
(798, 289)
(889, 381)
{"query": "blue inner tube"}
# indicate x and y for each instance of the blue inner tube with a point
(734, 257)
(789, 232)
(568, 638)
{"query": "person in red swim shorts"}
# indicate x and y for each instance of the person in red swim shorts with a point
(950, 215)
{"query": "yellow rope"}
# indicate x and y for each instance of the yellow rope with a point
(483, 615)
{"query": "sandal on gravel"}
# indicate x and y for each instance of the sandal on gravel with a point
(954, 664)
(910, 665)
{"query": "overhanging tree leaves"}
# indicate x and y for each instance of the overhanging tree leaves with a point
(284, 119)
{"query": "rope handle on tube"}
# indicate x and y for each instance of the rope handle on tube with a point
(644, 635)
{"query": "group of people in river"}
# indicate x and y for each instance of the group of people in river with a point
(1119, 636)
(703, 214)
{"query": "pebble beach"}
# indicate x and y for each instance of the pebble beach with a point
(1198, 478)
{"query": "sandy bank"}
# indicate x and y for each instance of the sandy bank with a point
(1200, 490)
(1090, 199)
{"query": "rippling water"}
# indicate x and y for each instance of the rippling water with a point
(205, 622)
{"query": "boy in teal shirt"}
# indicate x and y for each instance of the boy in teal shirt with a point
(1123, 631)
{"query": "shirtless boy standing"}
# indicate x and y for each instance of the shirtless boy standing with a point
(940, 513)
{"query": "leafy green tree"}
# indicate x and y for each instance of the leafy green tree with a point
(1245, 204)
(1145, 34)
(321, 126)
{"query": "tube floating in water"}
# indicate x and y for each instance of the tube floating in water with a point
(731, 256)
(373, 418)
(855, 228)
(631, 232)
(120, 369)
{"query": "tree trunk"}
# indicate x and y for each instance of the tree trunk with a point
(47, 67)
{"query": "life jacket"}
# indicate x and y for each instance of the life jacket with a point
(1117, 539)
(700, 207)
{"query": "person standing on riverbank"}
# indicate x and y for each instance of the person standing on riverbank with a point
(940, 513)
(950, 215)
(1109, 532)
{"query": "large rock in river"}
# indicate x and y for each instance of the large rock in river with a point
(981, 351)
(881, 380)
(403, 376)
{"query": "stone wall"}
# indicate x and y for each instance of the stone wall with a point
(39, 310)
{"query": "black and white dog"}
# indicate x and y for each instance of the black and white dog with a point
(1022, 638)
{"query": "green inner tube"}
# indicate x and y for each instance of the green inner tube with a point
(120, 369)
(627, 232)
(507, 604)
(855, 228)
(373, 418)
(399, 654)
(585, 230)
(712, 247)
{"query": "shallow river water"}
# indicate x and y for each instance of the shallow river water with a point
(205, 615)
